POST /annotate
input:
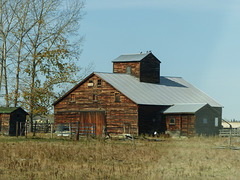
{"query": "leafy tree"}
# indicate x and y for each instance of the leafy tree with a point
(41, 46)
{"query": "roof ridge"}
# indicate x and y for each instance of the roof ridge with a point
(129, 74)
(188, 103)
(136, 53)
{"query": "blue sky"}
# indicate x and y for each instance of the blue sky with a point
(198, 40)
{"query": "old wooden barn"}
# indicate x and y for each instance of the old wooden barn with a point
(10, 118)
(134, 99)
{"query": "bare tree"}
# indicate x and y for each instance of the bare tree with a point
(40, 44)
(7, 24)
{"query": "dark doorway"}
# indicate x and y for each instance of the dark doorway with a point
(151, 119)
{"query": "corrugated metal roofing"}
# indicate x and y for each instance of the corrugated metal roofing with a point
(184, 108)
(131, 57)
(7, 110)
(171, 90)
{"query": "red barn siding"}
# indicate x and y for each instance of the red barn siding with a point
(176, 126)
(183, 123)
(120, 67)
(99, 98)
(188, 125)
(4, 121)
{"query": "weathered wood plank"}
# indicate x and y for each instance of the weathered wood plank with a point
(117, 113)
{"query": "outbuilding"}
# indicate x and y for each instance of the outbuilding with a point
(191, 119)
(10, 118)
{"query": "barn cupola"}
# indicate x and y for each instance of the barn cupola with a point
(144, 66)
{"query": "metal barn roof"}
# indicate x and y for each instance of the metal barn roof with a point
(131, 57)
(171, 90)
(184, 108)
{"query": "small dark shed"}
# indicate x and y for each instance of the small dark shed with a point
(9, 117)
(191, 119)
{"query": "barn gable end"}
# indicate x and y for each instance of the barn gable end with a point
(96, 95)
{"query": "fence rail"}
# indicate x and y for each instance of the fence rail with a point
(38, 127)
(68, 129)
(226, 132)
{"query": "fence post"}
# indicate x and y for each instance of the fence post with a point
(51, 131)
(17, 129)
(70, 130)
(77, 135)
(103, 132)
(34, 130)
(87, 131)
(92, 130)
(230, 138)
(25, 129)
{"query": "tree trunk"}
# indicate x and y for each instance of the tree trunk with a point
(17, 74)
(5, 72)
(32, 91)
(1, 72)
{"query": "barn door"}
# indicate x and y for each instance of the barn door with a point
(97, 118)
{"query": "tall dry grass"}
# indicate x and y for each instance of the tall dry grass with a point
(193, 158)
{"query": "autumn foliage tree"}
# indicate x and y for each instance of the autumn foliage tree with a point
(40, 48)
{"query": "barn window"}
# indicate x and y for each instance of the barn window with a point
(129, 70)
(204, 120)
(72, 97)
(172, 121)
(99, 83)
(216, 121)
(90, 83)
(112, 93)
(117, 97)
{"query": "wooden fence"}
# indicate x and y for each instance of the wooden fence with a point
(69, 129)
(235, 132)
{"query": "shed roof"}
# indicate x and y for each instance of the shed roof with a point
(7, 110)
(184, 108)
(131, 57)
(171, 90)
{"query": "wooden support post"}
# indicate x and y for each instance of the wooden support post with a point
(77, 134)
(17, 129)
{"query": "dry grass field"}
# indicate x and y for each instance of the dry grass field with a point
(181, 158)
